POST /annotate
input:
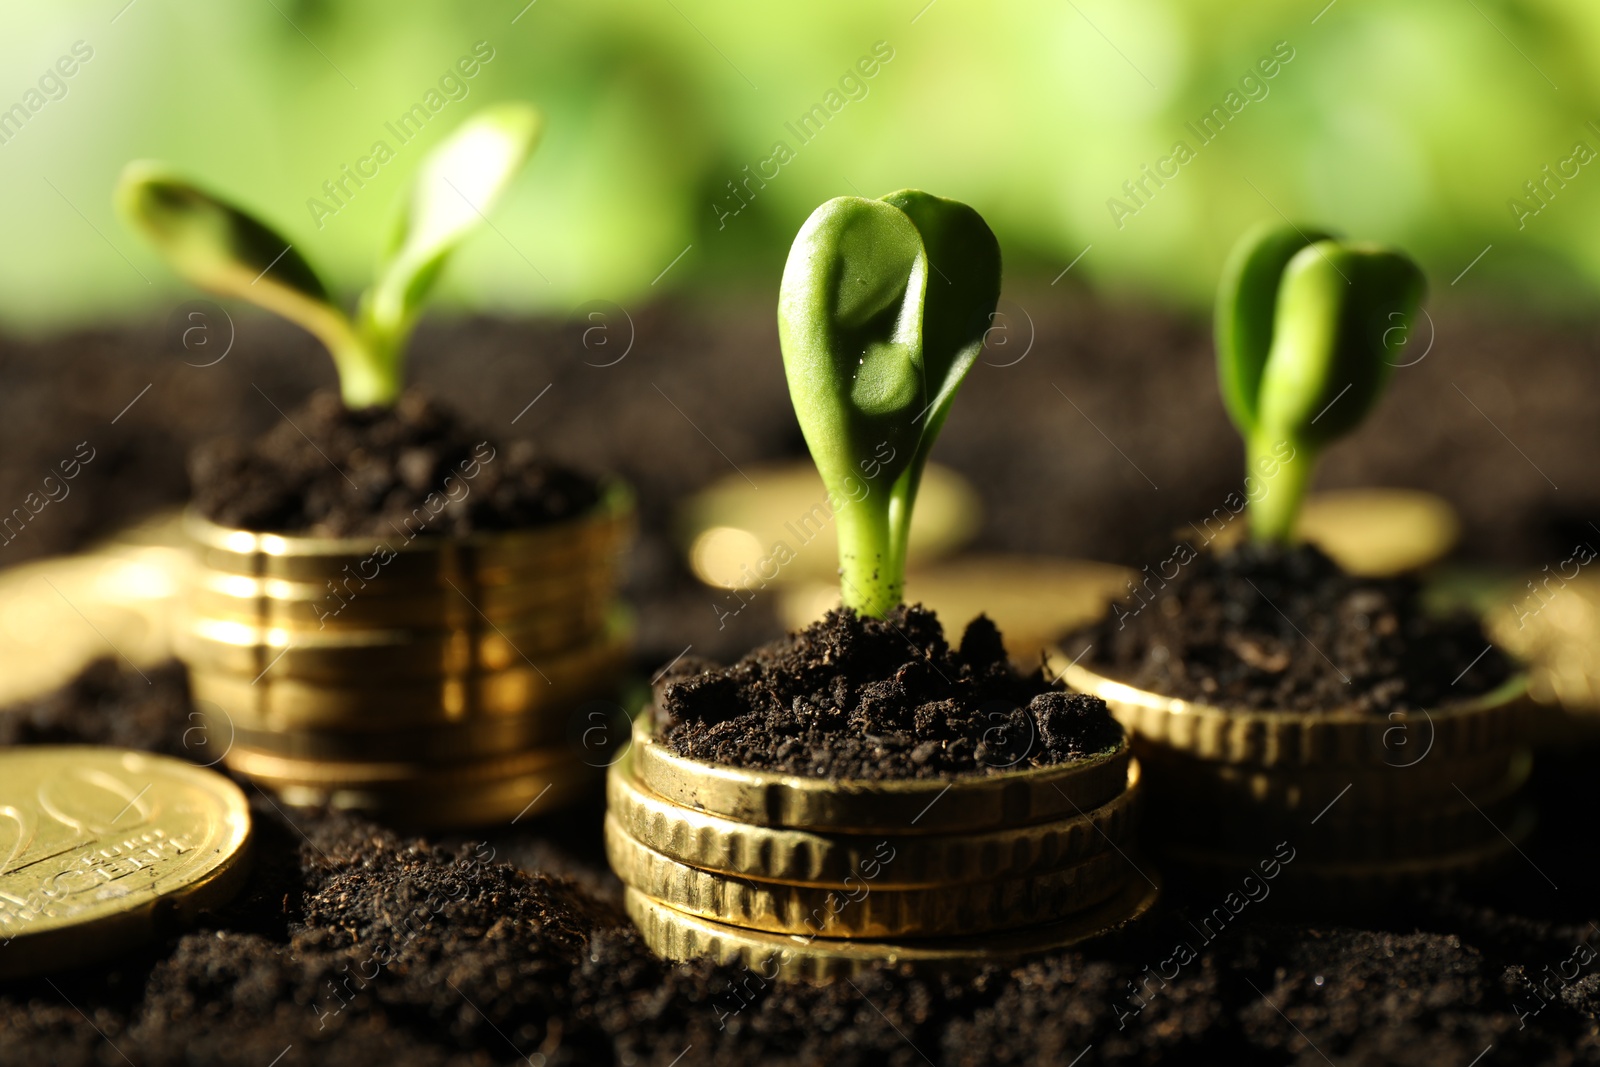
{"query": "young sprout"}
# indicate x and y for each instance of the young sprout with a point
(222, 248)
(882, 311)
(1309, 329)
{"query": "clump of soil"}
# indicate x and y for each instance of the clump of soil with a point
(853, 697)
(415, 468)
(1266, 627)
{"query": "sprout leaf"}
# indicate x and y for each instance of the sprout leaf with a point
(454, 191)
(963, 288)
(223, 249)
(1247, 302)
(1308, 336)
(881, 314)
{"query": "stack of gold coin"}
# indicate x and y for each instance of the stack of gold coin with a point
(1364, 802)
(820, 878)
(429, 679)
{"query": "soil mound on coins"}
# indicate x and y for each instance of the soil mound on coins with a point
(412, 470)
(1266, 627)
(853, 697)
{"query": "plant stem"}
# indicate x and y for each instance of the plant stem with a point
(366, 380)
(1275, 512)
(871, 555)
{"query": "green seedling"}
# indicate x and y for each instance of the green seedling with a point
(223, 249)
(1309, 329)
(882, 311)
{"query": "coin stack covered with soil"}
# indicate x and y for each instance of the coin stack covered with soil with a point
(861, 791)
(1274, 698)
(390, 613)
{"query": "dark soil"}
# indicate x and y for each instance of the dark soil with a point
(332, 472)
(353, 945)
(1268, 628)
(852, 697)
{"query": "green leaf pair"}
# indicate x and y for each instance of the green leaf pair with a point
(1309, 330)
(225, 250)
(883, 309)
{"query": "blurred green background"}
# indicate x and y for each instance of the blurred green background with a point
(1411, 121)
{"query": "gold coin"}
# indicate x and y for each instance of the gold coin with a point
(1411, 780)
(1371, 532)
(777, 524)
(551, 683)
(524, 799)
(1295, 739)
(56, 615)
(676, 935)
(420, 773)
(1032, 599)
(482, 560)
(351, 604)
(1344, 881)
(98, 846)
(1463, 820)
(858, 906)
(469, 739)
(897, 806)
(162, 529)
(801, 857)
(403, 563)
(1552, 623)
(502, 790)
(346, 655)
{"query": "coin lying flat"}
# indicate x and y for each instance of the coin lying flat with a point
(1373, 532)
(858, 906)
(777, 524)
(679, 936)
(899, 806)
(1032, 599)
(99, 847)
(56, 615)
(802, 857)
(1552, 623)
